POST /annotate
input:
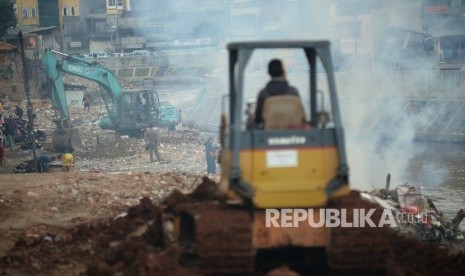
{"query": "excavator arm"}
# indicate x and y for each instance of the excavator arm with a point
(57, 90)
(87, 70)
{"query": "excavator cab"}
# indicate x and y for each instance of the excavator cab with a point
(139, 109)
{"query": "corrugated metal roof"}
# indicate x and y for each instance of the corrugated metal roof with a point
(30, 29)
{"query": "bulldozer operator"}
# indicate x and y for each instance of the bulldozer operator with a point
(277, 86)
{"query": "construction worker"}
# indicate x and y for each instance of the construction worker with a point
(151, 140)
(210, 155)
(67, 162)
(42, 163)
(86, 102)
(278, 85)
(11, 129)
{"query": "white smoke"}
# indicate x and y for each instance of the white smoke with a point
(374, 98)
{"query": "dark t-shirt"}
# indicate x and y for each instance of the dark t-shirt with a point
(273, 88)
(210, 149)
(43, 159)
(10, 127)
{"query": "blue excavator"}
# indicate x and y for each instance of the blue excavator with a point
(129, 111)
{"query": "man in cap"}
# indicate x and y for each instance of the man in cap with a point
(277, 86)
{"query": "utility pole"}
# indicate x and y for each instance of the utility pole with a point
(30, 110)
(118, 44)
(355, 34)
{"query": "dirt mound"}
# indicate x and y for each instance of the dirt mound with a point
(409, 256)
(358, 250)
(204, 192)
(140, 251)
(133, 243)
(130, 244)
(39, 250)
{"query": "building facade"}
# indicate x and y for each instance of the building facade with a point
(374, 34)
(27, 12)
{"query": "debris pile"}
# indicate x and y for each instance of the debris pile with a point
(417, 216)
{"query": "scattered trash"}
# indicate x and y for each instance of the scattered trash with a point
(416, 215)
(48, 239)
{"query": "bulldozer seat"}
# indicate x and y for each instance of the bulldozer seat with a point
(283, 112)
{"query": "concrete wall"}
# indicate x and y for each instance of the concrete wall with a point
(11, 77)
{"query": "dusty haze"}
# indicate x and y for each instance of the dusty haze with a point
(365, 104)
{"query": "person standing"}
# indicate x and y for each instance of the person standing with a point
(151, 140)
(210, 154)
(86, 102)
(171, 129)
(10, 131)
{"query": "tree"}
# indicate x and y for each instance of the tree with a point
(7, 17)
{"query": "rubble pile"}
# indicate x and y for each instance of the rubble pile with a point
(182, 135)
(107, 158)
(417, 216)
(104, 151)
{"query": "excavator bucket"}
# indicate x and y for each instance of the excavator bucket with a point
(66, 140)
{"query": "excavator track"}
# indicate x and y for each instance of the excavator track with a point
(216, 239)
(358, 250)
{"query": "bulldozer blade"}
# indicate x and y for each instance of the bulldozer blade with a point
(66, 140)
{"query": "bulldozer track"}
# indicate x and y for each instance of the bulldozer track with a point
(217, 240)
(221, 241)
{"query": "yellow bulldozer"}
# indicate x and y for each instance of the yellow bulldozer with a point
(277, 169)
